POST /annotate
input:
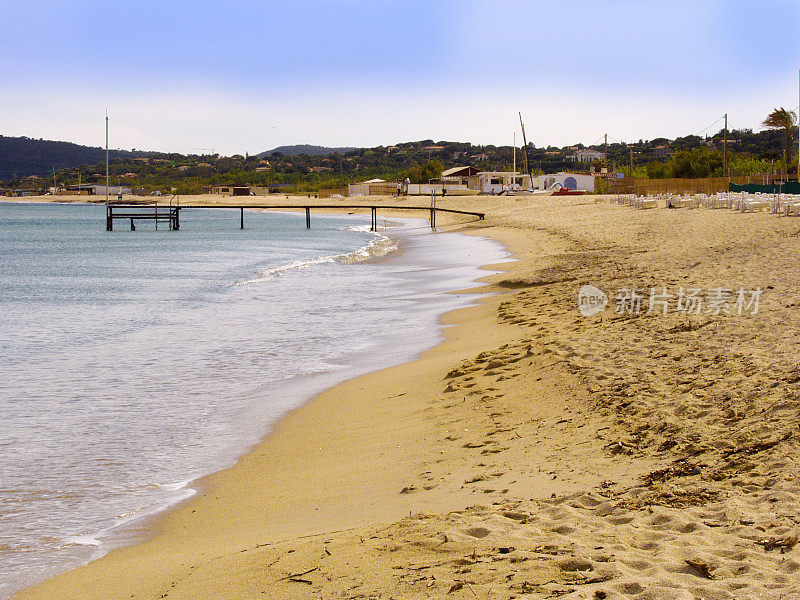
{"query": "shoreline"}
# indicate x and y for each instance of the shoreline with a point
(535, 452)
(309, 387)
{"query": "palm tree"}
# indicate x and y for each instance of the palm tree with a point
(780, 118)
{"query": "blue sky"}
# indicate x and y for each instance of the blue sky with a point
(244, 76)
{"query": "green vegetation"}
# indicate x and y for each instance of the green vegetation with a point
(28, 164)
(22, 156)
(424, 173)
(704, 162)
(304, 149)
(700, 162)
(784, 121)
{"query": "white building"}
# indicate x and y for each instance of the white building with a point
(495, 182)
(572, 181)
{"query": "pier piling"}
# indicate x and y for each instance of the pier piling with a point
(171, 214)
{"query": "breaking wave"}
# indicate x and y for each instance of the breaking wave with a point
(376, 248)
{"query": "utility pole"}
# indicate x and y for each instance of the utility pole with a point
(106, 158)
(631, 163)
(515, 152)
(798, 132)
(725, 149)
(606, 149)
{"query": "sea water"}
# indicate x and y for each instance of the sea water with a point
(133, 362)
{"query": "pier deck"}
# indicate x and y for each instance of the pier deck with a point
(171, 213)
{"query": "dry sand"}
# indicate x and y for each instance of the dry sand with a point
(535, 453)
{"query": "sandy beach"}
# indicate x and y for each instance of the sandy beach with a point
(536, 452)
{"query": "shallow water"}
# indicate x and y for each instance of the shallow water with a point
(134, 362)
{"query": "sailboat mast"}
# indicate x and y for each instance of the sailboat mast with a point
(525, 142)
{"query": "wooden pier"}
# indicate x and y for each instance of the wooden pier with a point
(137, 212)
(172, 214)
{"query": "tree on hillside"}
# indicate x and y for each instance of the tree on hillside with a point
(700, 162)
(417, 173)
(785, 120)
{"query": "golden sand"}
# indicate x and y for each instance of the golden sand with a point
(536, 452)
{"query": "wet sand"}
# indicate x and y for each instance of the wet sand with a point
(536, 452)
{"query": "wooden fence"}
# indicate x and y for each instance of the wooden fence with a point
(384, 189)
(706, 185)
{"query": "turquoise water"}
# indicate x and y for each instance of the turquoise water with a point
(132, 363)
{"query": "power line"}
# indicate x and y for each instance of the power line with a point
(594, 143)
(710, 126)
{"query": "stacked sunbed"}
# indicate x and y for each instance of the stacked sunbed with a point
(780, 204)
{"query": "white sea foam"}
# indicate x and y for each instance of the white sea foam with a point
(376, 248)
(179, 493)
(174, 487)
(83, 540)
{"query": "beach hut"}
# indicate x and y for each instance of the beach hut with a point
(495, 182)
(461, 176)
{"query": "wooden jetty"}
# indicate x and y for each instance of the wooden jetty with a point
(171, 214)
(137, 212)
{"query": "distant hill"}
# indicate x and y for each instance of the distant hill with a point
(23, 156)
(304, 149)
(318, 166)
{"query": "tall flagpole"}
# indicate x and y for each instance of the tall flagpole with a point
(106, 157)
